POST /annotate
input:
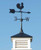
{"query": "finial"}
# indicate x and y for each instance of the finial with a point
(20, 6)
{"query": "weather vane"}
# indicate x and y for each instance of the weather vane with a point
(20, 6)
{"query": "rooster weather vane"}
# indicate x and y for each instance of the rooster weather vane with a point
(20, 6)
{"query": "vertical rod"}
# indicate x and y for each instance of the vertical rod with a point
(21, 21)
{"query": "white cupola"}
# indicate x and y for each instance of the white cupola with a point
(21, 41)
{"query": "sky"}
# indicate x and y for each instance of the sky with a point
(9, 27)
